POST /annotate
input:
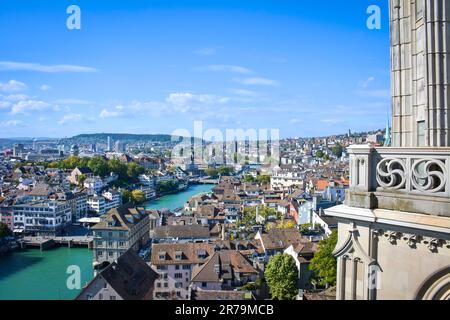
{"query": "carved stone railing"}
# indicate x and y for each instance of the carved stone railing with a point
(399, 178)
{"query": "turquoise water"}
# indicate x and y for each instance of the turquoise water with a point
(175, 201)
(35, 275)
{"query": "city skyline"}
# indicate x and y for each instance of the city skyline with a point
(231, 65)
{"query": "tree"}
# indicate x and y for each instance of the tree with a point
(99, 166)
(281, 275)
(337, 150)
(319, 154)
(249, 178)
(305, 228)
(138, 196)
(225, 171)
(263, 179)
(213, 173)
(324, 263)
(4, 230)
(134, 170)
(81, 179)
(126, 196)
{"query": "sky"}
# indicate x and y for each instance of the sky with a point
(307, 68)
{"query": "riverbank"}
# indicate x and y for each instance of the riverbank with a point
(34, 275)
(177, 200)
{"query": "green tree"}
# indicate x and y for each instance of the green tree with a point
(225, 171)
(324, 263)
(281, 275)
(263, 179)
(99, 166)
(305, 228)
(138, 196)
(81, 179)
(4, 230)
(319, 154)
(337, 150)
(134, 170)
(249, 178)
(126, 196)
(212, 172)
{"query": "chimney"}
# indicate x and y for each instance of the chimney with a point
(222, 226)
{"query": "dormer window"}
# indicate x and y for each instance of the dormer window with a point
(201, 254)
(178, 255)
(162, 255)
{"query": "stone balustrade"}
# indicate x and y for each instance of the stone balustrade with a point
(393, 178)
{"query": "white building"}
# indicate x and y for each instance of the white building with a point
(94, 184)
(42, 218)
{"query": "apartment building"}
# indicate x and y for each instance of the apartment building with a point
(43, 217)
(121, 229)
(174, 264)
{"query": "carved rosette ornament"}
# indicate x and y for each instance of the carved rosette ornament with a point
(391, 173)
(429, 176)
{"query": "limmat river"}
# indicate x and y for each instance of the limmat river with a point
(34, 275)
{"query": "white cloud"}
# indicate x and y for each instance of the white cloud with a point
(23, 66)
(5, 105)
(11, 123)
(45, 87)
(367, 82)
(72, 101)
(185, 100)
(243, 92)
(229, 68)
(12, 86)
(111, 114)
(25, 106)
(71, 117)
(15, 97)
(257, 81)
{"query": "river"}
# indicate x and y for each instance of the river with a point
(34, 275)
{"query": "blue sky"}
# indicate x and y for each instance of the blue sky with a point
(308, 68)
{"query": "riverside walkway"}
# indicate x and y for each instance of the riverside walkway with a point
(44, 243)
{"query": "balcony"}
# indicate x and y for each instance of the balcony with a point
(403, 179)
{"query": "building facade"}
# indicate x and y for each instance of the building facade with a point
(122, 229)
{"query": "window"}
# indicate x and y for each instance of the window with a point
(177, 267)
(187, 267)
(100, 296)
(421, 133)
(178, 275)
(204, 284)
(178, 285)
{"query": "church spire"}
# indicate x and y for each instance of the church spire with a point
(387, 137)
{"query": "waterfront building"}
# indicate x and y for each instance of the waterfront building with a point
(6, 214)
(394, 229)
(128, 278)
(121, 229)
(42, 217)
